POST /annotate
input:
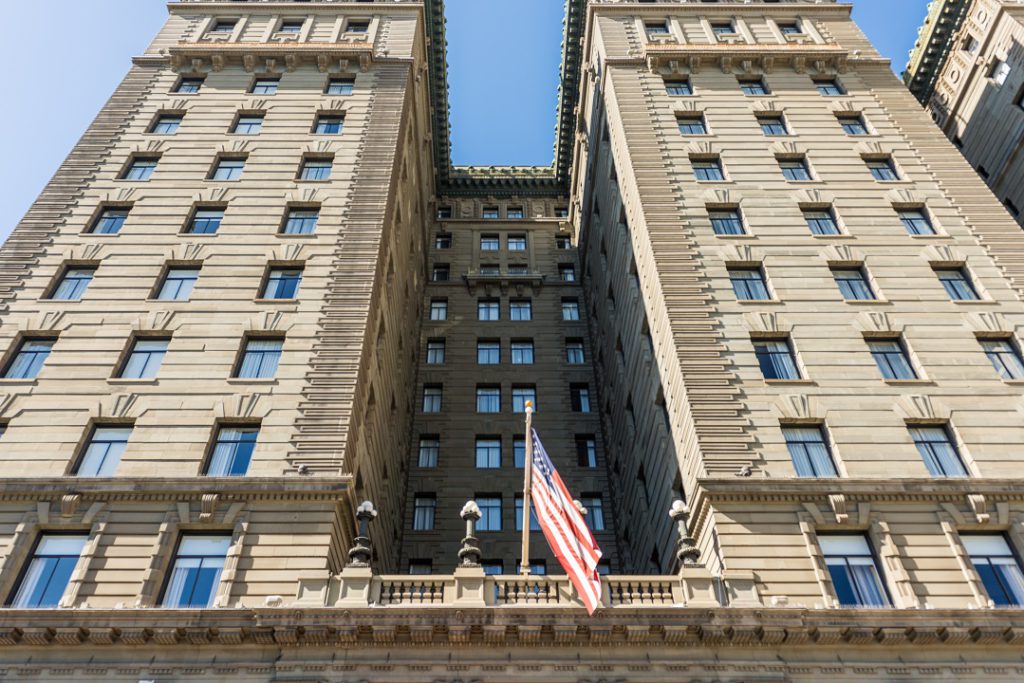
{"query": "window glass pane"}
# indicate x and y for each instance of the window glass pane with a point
(882, 169)
(938, 451)
(30, 358)
(520, 310)
(49, 572)
(726, 222)
(73, 284)
(145, 359)
(691, 125)
(228, 169)
(776, 359)
(488, 399)
(430, 449)
(178, 284)
(852, 568)
(1005, 358)
(488, 353)
(166, 125)
(821, 222)
(916, 222)
(260, 359)
(265, 86)
(283, 283)
(140, 169)
(232, 451)
(490, 514)
(103, 452)
(853, 125)
(570, 310)
(488, 453)
(891, 359)
(340, 86)
(301, 221)
(423, 513)
(110, 221)
(195, 576)
(957, 285)
(749, 284)
(753, 87)
(330, 125)
(708, 170)
(809, 452)
(773, 125)
(206, 221)
(522, 352)
(316, 169)
(677, 88)
(439, 310)
(248, 125)
(795, 169)
(520, 395)
(189, 86)
(853, 284)
(432, 399)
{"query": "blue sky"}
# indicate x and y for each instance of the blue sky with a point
(503, 96)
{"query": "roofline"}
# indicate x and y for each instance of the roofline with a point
(935, 40)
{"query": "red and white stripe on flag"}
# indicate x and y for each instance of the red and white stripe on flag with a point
(563, 526)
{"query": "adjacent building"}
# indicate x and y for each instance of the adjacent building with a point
(263, 342)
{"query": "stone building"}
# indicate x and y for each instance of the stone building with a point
(757, 287)
(966, 69)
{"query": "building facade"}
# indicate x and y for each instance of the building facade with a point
(757, 288)
(966, 70)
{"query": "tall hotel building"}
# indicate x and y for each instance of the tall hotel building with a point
(757, 287)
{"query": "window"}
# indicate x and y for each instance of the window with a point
(232, 451)
(488, 352)
(595, 511)
(776, 358)
(790, 28)
(282, 283)
(424, 506)
(1011, 207)
(514, 212)
(882, 169)
(490, 213)
(722, 29)
(520, 310)
(971, 44)
(166, 124)
(574, 351)
(490, 512)
(518, 269)
(300, 222)
(357, 26)
(522, 394)
(329, 124)
(537, 567)
(829, 87)
(998, 568)
(586, 451)
(522, 352)
(795, 169)
(442, 241)
(566, 272)
(851, 565)
(195, 575)
(727, 222)
(749, 284)
(265, 86)
(139, 168)
(248, 124)
(316, 168)
(957, 284)
(228, 169)
(753, 86)
(579, 397)
(809, 451)
(516, 242)
(102, 454)
(29, 358)
(1005, 357)
(534, 524)
(708, 169)
(821, 221)
(853, 124)
(563, 242)
(678, 87)
(189, 86)
(853, 284)
(519, 451)
(49, 571)
(439, 309)
(260, 358)
(492, 568)
(656, 28)
(223, 26)
(570, 309)
(490, 243)
(488, 399)
(940, 454)
(145, 358)
(73, 283)
(432, 398)
(421, 567)
(916, 222)
(490, 269)
(692, 125)
(178, 284)
(441, 272)
(340, 86)
(435, 351)
(772, 125)
(892, 359)
(430, 449)
(291, 25)
(109, 221)
(488, 310)
(488, 452)
(561, 212)
(205, 221)
(999, 72)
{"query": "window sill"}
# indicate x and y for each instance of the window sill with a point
(275, 301)
(252, 380)
(130, 180)
(12, 382)
(901, 382)
(812, 181)
(840, 236)
(741, 236)
(97, 235)
(316, 182)
(223, 180)
(133, 382)
(714, 182)
(1014, 382)
(973, 302)
(938, 235)
(200, 235)
(296, 236)
(866, 302)
(901, 181)
(750, 302)
(789, 382)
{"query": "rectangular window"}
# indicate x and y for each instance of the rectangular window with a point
(534, 524)
(809, 451)
(829, 87)
(488, 399)
(776, 358)
(490, 269)
(102, 454)
(708, 169)
(882, 169)
(430, 449)
(490, 213)
(1005, 357)
(435, 351)
(282, 283)
(940, 454)
(139, 168)
(260, 358)
(205, 221)
(999, 72)
(340, 86)
(178, 284)
(29, 358)
(916, 222)
(574, 352)
(853, 284)
(561, 212)
(821, 221)
(723, 29)
(579, 397)
(442, 241)
(749, 284)
(265, 86)
(432, 398)
(773, 125)
(957, 284)
(522, 352)
(678, 87)
(145, 358)
(316, 169)
(790, 28)
(248, 124)
(892, 359)
(300, 222)
(189, 86)
(440, 273)
(566, 272)
(109, 221)
(563, 242)
(195, 575)
(518, 269)
(753, 86)
(490, 512)
(329, 124)
(232, 451)
(490, 243)
(492, 567)
(595, 511)
(522, 394)
(228, 169)
(488, 352)
(166, 124)
(357, 26)
(851, 565)
(73, 283)
(514, 213)
(424, 506)
(570, 309)
(586, 451)
(291, 25)
(795, 169)
(726, 222)
(519, 451)
(488, 452)
(997, 567)
(656, 28)
(516, 242)
(49, 571)
(421, 567)
(438, 309)
(853, 124)
(223, 25)
(692, 125)
(520, 310)
(488, 310)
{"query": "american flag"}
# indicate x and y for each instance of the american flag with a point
(563, 526)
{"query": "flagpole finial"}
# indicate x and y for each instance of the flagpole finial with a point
(529, 406)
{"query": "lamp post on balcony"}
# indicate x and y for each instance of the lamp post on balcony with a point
(686, 548)
(360, 555)
(469, 554)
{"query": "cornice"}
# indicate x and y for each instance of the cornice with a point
(907, 489)
(935, 39)
(634, 8)
(172, 489)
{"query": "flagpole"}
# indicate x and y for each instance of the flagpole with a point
(524, 564)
